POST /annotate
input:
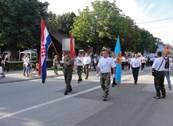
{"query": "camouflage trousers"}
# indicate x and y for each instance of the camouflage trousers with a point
(79, 72)
(159, 84)
(68, 77)
(105, 79)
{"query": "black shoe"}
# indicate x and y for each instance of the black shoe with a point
(66, 93)
(156, 97)
(78, 81)
(70, 90)
(163, 96)
(104, 99)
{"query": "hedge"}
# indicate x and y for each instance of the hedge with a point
(18, 65)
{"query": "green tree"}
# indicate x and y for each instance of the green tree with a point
(97, 27)
(100, 26)
(20, 23)
(65, 22)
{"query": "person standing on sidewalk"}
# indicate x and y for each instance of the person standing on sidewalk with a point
(135, 65)
(55, 65)
(167, 70)
(158, 71)
(67, 64)
(1, 68)
(26, 61)
(104, 67)
(79, 64)
(86, 61)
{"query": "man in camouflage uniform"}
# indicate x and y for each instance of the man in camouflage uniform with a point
(104, 67)
(68, 63)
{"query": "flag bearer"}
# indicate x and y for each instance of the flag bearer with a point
(104, 67)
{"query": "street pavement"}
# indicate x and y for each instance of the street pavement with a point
(31, 103)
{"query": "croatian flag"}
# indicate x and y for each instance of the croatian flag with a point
(45, 43)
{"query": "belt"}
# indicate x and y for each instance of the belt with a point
(105, 73)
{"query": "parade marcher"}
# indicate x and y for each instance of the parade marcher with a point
(95, 61)
(55, 65)
(123, 62)
(79, 64)
(104, 67)
(67, 64)
(86, 61)
(126, 63)
(143, 62)
(113, 77)
(135, 65)
(158, 71)
(167, 71)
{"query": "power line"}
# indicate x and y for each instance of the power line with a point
(155, 20)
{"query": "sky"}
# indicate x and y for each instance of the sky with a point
(140, 11)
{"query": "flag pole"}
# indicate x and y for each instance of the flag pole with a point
(53, 45)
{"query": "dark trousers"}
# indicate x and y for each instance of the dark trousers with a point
(79, 72)
(159, 84)
(68, 77)
(143, 65)
(86, 70)
(135, 72)
(122, 65)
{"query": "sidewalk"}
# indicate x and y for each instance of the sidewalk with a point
(16, 76)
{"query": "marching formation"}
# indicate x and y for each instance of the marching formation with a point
(105, 67)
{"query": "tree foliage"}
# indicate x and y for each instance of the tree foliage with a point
(101, 25)
(20, 22)
(61, 23)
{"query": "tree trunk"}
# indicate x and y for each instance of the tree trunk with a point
(98, 48)
(12, 47)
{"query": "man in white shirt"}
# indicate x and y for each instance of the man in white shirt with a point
(143, 61)
(135, 65)
(158, 70)
(167, 70)
(86, 62)
(104, 67)
(79, 64)
(114, 82)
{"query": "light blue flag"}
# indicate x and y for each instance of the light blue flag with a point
(118, 61)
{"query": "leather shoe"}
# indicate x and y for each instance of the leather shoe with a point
(104, 99)
(163, 96)
(156, 97)
(65, 93)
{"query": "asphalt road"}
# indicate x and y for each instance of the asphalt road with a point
(30, 103)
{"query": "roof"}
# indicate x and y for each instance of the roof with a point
(29, 51)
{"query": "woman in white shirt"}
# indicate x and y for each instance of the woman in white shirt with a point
(86, 62)
(135, 65)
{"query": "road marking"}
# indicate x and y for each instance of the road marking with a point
(56, 100)
(47, 103)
